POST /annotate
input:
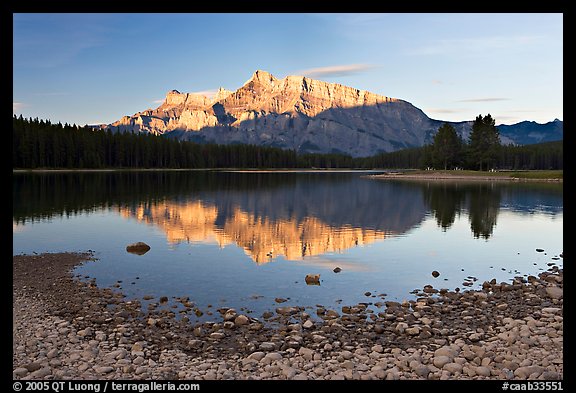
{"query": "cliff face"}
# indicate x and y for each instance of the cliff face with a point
(293, 113)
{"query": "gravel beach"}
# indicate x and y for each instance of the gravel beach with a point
(65, 328)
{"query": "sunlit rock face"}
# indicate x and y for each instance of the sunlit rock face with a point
(294, 113)
(261, 238)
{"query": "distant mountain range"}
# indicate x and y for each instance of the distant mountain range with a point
(309, 116)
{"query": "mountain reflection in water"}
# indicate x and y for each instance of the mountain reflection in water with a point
(295, 215)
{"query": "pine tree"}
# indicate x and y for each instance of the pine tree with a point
(484, 142)
(447, 147)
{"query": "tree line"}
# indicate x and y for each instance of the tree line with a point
(41, 144)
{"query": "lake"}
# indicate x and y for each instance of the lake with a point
(241, 239)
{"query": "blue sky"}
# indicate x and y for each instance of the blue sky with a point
(96, 68)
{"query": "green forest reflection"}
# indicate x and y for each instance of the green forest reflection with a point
(481, 200)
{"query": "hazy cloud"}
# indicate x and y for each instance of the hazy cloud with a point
(161, 100)
(437, 82)
(336, 70)
(485, 99)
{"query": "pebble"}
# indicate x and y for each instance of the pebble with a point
(511, 331)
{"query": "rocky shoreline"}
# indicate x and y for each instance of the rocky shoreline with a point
(68, 329)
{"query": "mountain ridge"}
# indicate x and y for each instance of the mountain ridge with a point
(304, 114)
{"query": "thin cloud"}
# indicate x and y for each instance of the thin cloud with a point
(437, 82)
(474, 45)
(158, 101)
(485, 99)
(336, 70)
(50, 94)
(17, 106)
(207, 93)
(441, 110)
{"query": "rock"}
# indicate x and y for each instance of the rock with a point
(526, 371)
(20, 371)
(440, 361)
(551, 310)
(539, 250)
(85, 332)
(286, 310)
(377, 348)
(139, 248)
(312, 279)
(104, 369)
(422, 371)
(453, 368)
(367, 293)
(475, 337)
(230, 314)
(318, 338)
(446, 351)
(337, 269)
(555, 292)
(241, 320)
(401, 327)
(257, 356)
(413, 331)
(308, 324)
(331, 314)
(435, 273)
(31, 367)
(272, 357)
(288, 372)
(306, 353)
(217, 335)
(483, 371)
(280, 300)
(267, 346)
(41, 373)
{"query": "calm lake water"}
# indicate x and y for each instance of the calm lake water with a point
(243, 239)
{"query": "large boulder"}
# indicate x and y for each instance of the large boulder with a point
(313, 279)
(139, 248)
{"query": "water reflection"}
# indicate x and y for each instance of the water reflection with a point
(269, 214)
(261, 238)
(482, 202)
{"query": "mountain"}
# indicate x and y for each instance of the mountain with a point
(299, 113)
(529, 132)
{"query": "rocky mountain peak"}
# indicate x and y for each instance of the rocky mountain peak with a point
(221, 94)
(263, 77)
